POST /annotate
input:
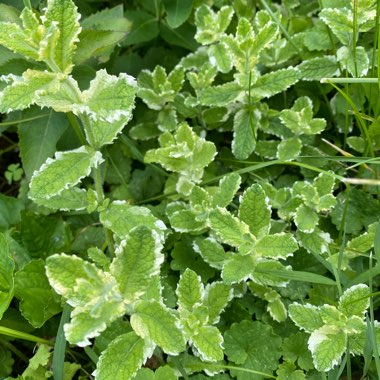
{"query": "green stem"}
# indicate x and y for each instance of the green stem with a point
(21, 335)
(13, 349)
(76, 127)
(350, 80)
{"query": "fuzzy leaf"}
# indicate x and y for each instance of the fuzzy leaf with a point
(245, 128)
(94, 294)
(356, 63)
(306, 219)
(340, 22)
(318, 68)
(38, 301)
(276, 246)
(355, 300)
(152, 320)
(307, 316)
(216, 297)
(289, 149)
(137, 260)
(208, 342)
(65, 14)
(63, 172)
(327, 345)
(189, 291)
(7, 266)
(211, 251)
(121, 218)
(220, 56)
(227, 189)
(123, 357)
(272, 83)
(238, 268)
(24, 91)
(255, 210)
(221, 95)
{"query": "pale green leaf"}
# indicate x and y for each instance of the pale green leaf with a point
(38, 138)
(24, 91)
(364, 242)
(255, 211)
(246, 123)
(271, 273)
(306, 219)
(208, 343)
(307, 316)
(38, 301)
(153, 321)
(289, 149)
(277, 309)
(94, 294)
(37, 367)
(340, 22)
(211, 251)
(238, 268)
(276, 246)
(121, 217)
(274, 82)
(220, 57)
(216, 297)
(137, 260)
(355, 300)
(63, 172)
(318, 68)
(177, 11)
(7, 266)
(221, 95)
(357, 63)
(230, 229)
(65, 14)
(327, 345)
(123, 357)
(227, 189)
(162, 373)
(317, 242)
(357, 143)
(69, 199)
(189, 291)
(183, 219)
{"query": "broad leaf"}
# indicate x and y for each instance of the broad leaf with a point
(211, 251)
(152, 320)
(238, 268)
(307, 316)
(38, 301)
(227, 189)
(221, 95)
(189, 291)
(123, 357)
(208, 342)
(355, 300)
(65, 14)
(63, 172)
(137, 260)
(7, 266)
(216, 297)
(177, 11)
(276, 246)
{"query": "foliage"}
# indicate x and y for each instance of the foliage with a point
(189, 191)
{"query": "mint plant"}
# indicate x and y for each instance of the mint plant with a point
(190, 189)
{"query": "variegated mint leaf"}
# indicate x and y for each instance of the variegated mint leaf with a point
(355, 300)
(216, 297)
(22, 92)
(94, 294)
(208, 343)
(121, 218)
(63, 172)
(7, 267)
(238, 268)
(123, 357)
(152, 320)
(307, 316)
(64, 14)
(276, 246)
(227, 189)
(211, 251)
(138, 259)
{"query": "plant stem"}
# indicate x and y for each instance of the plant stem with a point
(21, 335)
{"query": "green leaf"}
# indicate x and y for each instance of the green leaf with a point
(230, 229)
(306, 219)
(162, 373)
(295, 349)
(274, 82)
(94, 294)
(63, 172)
(220, 56)
(327, 345)
(255, 211)
(289, 149)
(356, 63)
(123, 357)
(221, 95)
(144, 27)
(211, 251)
(38, 138)
(227, 189)
(121, 218)
(364, 242)
(10, 209)
(137, 260)
(216, 297)
(355, 300)
(208, 342)
(38, 301)
(24, 91)
(307, 316)
(65, 14)
(238, 268)
(244, 343)
(7, 267)
(177, 12)
(246, 123)
(189, 291)
(318, 68)
(276, 246)
(37, 368)
(340, 22)
(153, 321)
